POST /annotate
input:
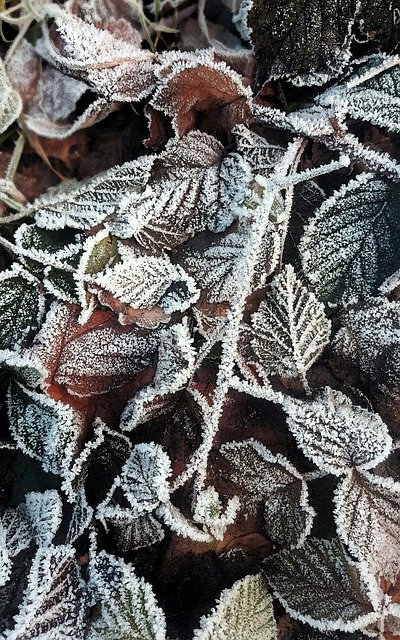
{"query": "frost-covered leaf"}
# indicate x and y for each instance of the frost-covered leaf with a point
(209, 512)
(15, 536)
(175, 365)
(82, 205)
(131, 533)
(21, 306)
(50, 97)
(243, 612)
(366, 353)
(53, 604)
(144, 481)
(362, 219)
(23, 366)
(177, 522)
(263, 476)
(91, 358)
(261, 155)
(103, 456)
(61, 244)
(160, 201)
(188, 191)
(128, 608)
(369, 334)
(43, 428)
(371, 94)
(5, 560)
(44, 511)
(143, 281)
(309, 42)
(17, 530)
(10, 101)
(256, 470)
(367, 514)
(80, 519)
(144, 477)
(54, 255)
(318, 585)
(215, 266)
(290, 329)
(113, 64)
(288, 516)
(189, 85)
(337, 435)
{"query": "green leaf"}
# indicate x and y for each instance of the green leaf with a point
(353, 241)
(99, 251)
(306, 40)
(317, 585)
(45, 429)
(127, 606)
(371, 94)
(21, 306)
(243, 612)
(23, 366)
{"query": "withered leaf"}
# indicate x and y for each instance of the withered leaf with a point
(91, 358)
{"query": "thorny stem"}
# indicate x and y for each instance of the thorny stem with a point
(15, 158)
(375, 71)
(326, 131)
(198, 463)
(209, 343)
(289, 203)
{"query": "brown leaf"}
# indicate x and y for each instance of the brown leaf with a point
(50, 97)
(93, 358)
(201, 92)
(127, 315)
(106, 56)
